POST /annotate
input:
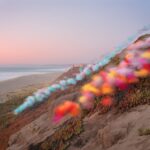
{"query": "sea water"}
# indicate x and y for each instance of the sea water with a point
(14, 71)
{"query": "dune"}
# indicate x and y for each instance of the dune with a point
(125, 125)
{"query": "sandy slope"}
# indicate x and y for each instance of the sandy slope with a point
(115, 131)
(12, 86)
(32, 119)
(38, 130)
(110, 131)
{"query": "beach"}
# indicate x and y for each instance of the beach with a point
(25, 84)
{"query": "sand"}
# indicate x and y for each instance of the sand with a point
(25, 83)
(10, 124)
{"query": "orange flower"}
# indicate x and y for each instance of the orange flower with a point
(107, 88)
(60, 110)
(66, 108)
(75, 111)
(142, 73)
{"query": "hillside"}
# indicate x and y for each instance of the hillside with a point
(123, 126)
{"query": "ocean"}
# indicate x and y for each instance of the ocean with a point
(14, 71)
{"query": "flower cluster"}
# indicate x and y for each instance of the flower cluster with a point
(135, 64)
(43, 94)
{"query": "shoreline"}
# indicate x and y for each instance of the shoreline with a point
(27, 84)
(33, 74)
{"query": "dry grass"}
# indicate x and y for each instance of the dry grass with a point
(14, 100)
(143, 132)
(60, 139)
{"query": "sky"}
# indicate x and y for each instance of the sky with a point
(66, 31)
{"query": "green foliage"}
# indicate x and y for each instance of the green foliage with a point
(115, 60)
(143, 37)
(6, 109)
(137, 94)
(4, 122)
(13, 100)
(143, 132)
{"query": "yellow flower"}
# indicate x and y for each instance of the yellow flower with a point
(90, 88)
(82, 99)
(146, 55)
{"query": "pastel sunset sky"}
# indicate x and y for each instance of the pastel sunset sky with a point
(66, 31)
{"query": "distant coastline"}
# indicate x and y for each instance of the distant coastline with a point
(25, 85)
(15, 71)
(23, 80)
